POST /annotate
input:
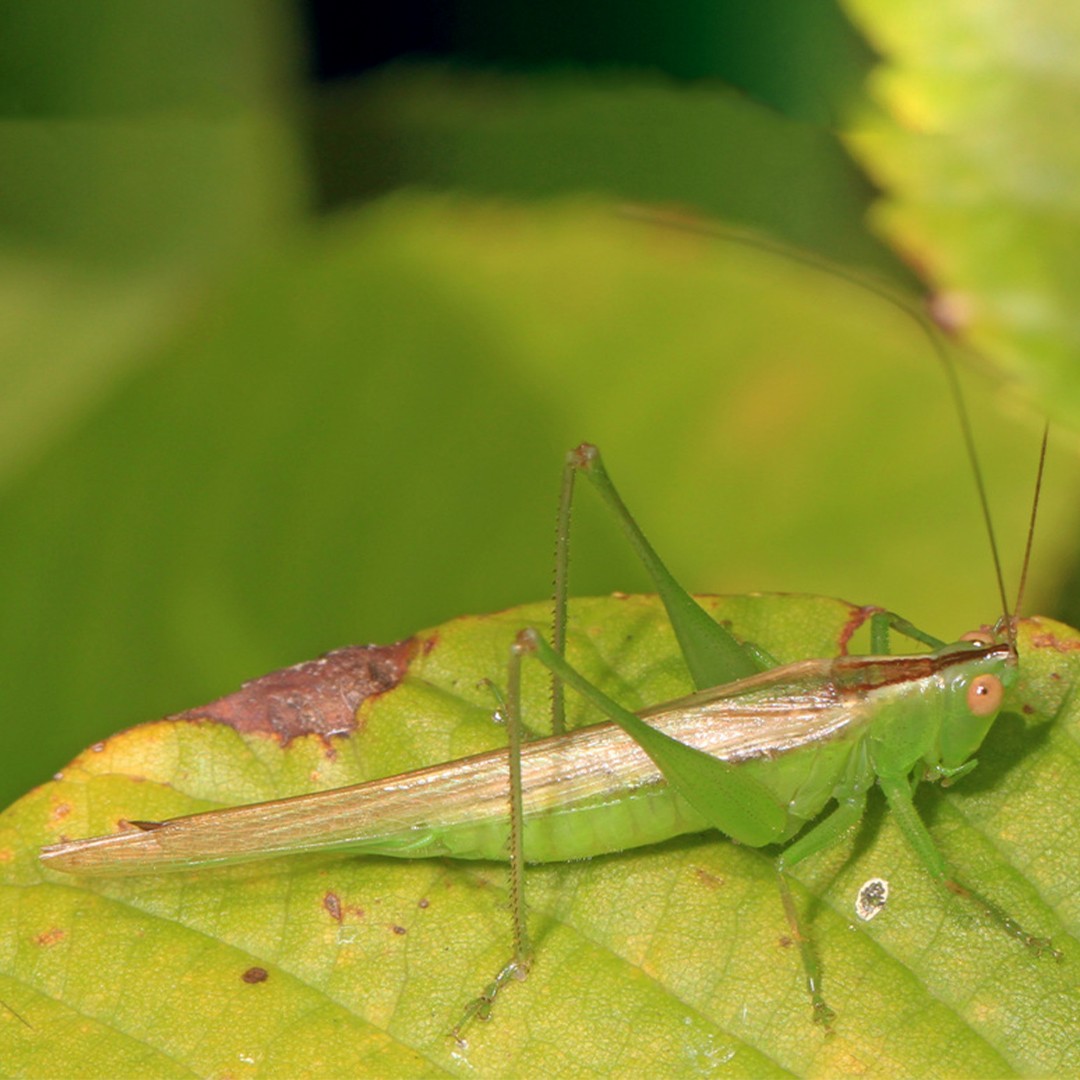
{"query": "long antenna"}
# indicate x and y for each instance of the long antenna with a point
(1031, 523)
(973, 457)
(890, 295)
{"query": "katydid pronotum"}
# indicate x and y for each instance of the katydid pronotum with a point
(758, 752)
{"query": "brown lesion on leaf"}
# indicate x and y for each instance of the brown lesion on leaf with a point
(52, 936)
(255, 975)
(710, 881)
(332, 905)
(1047, 640)
(316, 697)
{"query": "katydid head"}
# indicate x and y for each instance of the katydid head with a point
(977, 672)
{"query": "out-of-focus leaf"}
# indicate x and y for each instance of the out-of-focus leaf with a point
(703, 147)
(144, 137)
(673, 958)
(144, 148)
(980, 159)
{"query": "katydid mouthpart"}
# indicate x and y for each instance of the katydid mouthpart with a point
(758, 752)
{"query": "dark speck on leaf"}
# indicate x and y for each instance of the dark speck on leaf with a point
(255, 975)
(710, 881)
(332, 904)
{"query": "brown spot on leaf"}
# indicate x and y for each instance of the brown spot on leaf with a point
(332, 904)
(255, 975)
(51, 936)
(317, 697)
(399, 929)
(710, 881)
(424, 903)
(1052, 641)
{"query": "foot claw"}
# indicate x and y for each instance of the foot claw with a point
(480, 1008)
(823, 1015)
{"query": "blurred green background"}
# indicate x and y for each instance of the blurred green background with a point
(298, 321)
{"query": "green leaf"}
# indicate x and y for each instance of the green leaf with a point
(674, 957)
(980, 160)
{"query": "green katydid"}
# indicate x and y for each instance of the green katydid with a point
(758, 752)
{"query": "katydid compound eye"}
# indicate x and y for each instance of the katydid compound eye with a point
(984, 695)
